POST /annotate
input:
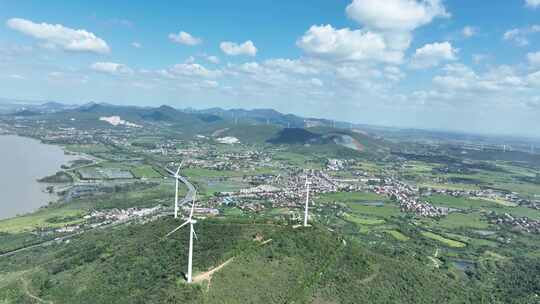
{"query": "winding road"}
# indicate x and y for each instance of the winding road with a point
(190, 195)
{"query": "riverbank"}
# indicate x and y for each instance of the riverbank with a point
(24, 161)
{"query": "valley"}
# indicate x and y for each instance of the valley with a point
(390, 221)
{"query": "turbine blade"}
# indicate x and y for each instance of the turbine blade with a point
(193, 205)
(195, 234)
(177, 228)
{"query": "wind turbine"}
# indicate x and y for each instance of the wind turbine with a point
(192, 234)
(177, 178)
(307, 201)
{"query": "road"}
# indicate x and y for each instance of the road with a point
(190, 195)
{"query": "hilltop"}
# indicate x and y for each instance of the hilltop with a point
(272, 263)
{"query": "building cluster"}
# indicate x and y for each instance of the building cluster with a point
(489, 194)
(408, 199)
(200, 155)
(333, 164)
(114, 215)
(279, 192)
(523, 224)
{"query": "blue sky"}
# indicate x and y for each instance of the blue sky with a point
(454, 64)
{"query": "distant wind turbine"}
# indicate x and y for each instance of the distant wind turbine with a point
(307, 201)
(192, 234)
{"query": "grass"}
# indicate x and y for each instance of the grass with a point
(88, 149)
(198, 173)
(279, 211)
(449, 186)
(232, 212)
(490, 255)
(369, 167)
(397, 235)
(75, 210)
(385, 211)
(522, 188)
(471, 241)
(460, 220)
(521, 212)
(447, 242)
(363, 221)
(456, 202)
(292, 158)
(497, 201)
(227, 185)
(39, 219)
(145, 171)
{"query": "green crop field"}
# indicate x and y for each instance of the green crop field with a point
(363, 221)
(145, 172)
(232, 212)
(198, 173)
(457, 202)
(43, 219)
(397, 235)
(385, 211)
(460, 220)
(88, 149)
(447, 242)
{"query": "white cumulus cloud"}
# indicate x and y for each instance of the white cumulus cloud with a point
(193, 69)
(534, 59)
(111, 68)
(213, 59)
(185, 38)
(431, 55)
(16, 76)
(345, 44)
(533, 79)
(532, 3)
(235, 49)
(291, 66)
(395, 15)
(520, 35)
(469, 31)
(57, 35)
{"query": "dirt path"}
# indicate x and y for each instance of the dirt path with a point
(265, 242)
(372, 276)
(207, 276)
(28, 293)
(435, 261)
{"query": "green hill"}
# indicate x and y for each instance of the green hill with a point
(271, 264)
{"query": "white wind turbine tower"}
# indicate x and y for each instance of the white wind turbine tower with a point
(177, 178)
(192, 234)
(307, 201)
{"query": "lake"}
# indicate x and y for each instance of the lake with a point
(22, 162)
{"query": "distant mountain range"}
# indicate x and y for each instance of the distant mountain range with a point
(9, 106)
(170, 114)
(249, 126)
(235, 121)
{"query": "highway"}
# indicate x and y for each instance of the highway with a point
(190, 195)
